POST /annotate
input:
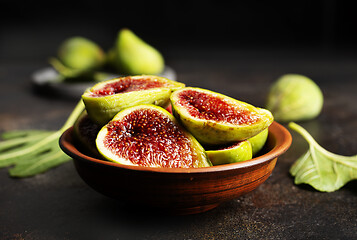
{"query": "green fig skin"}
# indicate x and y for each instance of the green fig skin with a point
(238, 152)
(258, 141)
(132, 56)
(213, 132)
(201, 159)
(294, 97)
(102, 109)
(81, 54)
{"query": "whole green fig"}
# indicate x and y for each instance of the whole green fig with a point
(294, 97)
(132, 56)
(81, 54)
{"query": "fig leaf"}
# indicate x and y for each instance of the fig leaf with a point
(323, 170)
(34, 151)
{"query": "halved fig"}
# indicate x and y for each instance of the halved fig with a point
(148, 135)
(85, 132)
(214, 118)
(258, 141)
(107, 98)
(232, 153)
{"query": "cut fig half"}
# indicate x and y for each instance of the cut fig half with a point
(214, 118)
(149, 136)
(237, 152)
(107, 98)
(258, 141)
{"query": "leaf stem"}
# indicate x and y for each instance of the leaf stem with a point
(344, 160)
(305, 134)
(74, 116)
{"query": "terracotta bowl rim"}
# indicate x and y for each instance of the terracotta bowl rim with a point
(278, 132)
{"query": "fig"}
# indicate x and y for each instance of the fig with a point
(294, 97)
(107, 98)
(85, 132)
(79, 54)
(148, 135)
(214, 118)
(232, 153)
(132, 56)
(258, 141)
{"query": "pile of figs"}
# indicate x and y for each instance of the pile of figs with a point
(81, 59)
(152, 121)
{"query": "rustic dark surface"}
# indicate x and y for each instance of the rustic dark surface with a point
(59, 205)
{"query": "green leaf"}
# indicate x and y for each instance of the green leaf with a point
(39, 163)
(30, 148)
(16, 141)
(20, 133)
(34, 151)
(323, 170)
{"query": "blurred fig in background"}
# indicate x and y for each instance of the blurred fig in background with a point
(78, 59)
(81, 54)
(132, 56)
(294, 97)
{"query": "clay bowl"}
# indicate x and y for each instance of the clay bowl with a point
(178, 191)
